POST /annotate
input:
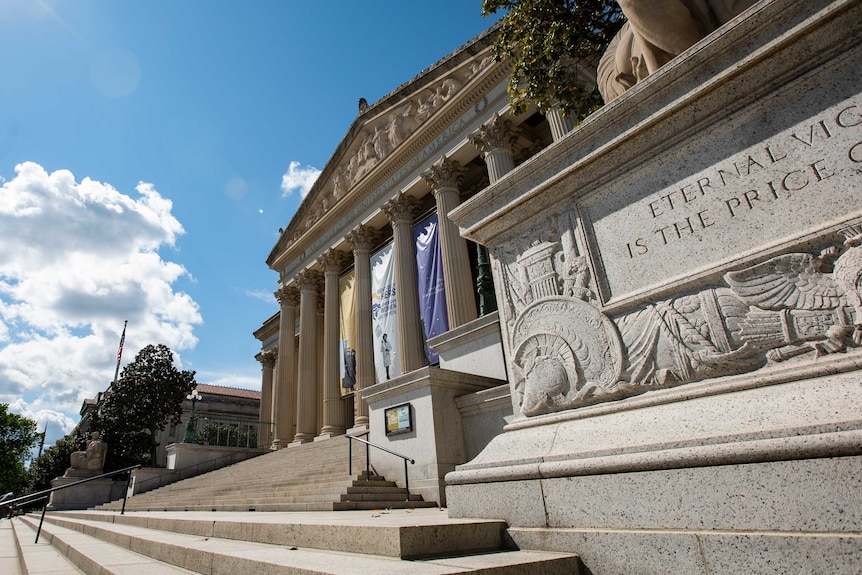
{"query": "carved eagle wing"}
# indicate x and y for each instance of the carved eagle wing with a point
(792, 281)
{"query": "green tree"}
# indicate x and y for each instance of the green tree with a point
(17, 437)
(146, 398)
(54, 461)
(544, 39)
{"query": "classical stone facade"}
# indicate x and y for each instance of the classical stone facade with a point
(670, 382)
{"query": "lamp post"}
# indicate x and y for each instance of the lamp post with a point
(190, 427)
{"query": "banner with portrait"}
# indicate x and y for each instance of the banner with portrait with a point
(347, 333)
(432, 291)
(384, 314)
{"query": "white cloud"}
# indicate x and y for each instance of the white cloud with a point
(298, 178)
(262, 295)
(76, 259)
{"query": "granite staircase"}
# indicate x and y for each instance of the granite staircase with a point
(310, 477)
(398, 542)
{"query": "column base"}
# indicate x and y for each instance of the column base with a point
(329, 434)
(299, 441)
(358, 429)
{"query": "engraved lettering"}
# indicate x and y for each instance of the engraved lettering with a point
(787, 181)
(818, 171)
(732, 203)
(854, 119)
(855, 153)
(771, 154)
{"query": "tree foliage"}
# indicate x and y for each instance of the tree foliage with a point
(17, 437)
(54, 461)
(146, 398)
(544, 40)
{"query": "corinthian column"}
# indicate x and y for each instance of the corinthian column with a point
(333, 407)
(361, 239)
(495, 141)
(267, 362)
(285, 395)
(460, 301)
(306, 414)
(410, 337)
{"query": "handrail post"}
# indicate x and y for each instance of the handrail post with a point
(367, 462)
(126, 494)
(41, 519)
(406, 481)
(349, 457)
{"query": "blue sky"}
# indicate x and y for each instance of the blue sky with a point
(149, 152)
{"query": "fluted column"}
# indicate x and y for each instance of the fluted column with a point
(319, 353)
(333, 407)
(306, 414)
(267, 363)
(285, 395)
(410, 337)
(444, 177)
(560, 123)
(361, 239)
(495, 141)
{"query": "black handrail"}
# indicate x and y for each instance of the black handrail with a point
(368, 445)
(46, 494)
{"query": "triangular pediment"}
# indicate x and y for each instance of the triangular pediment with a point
(382, 129)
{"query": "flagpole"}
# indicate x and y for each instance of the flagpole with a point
(42, 443)
(120, 351)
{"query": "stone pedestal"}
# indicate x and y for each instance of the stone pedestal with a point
(85, 495)
(680, 314)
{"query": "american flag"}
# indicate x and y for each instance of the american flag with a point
(120, 351)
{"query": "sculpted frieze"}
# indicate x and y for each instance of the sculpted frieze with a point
(567, 353)
(382, 135)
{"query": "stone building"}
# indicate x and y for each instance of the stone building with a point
(662, 371)
(220, 406)
(421, 324)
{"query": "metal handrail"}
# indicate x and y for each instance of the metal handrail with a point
(368, 445)
(46, 494)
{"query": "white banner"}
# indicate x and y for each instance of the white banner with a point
(384, 315)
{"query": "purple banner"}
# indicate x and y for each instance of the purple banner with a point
(432, 293)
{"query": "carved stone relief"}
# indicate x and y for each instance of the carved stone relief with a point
(567, 353)
(380, 137)
(543, 261)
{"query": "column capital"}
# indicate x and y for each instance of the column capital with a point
(494, 134)
(287, 296)
(443, 174)
(400, 209)
(361, 238)
(309, 280)
(333, 261)
(267, 358)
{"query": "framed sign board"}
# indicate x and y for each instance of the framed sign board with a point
(399, 419)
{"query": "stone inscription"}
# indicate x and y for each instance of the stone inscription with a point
(799, 179)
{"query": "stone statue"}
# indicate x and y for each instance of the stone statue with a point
(656, 31)
(93, 459)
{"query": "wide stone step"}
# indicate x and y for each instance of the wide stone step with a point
(69, 552)
(422, 532)
(213, 555)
